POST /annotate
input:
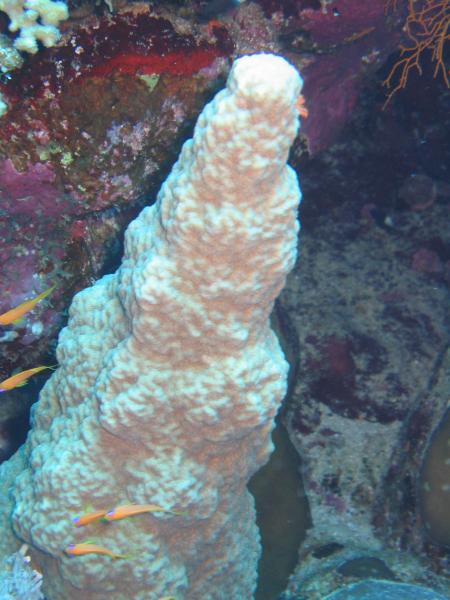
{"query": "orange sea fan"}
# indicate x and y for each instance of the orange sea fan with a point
(427, 27)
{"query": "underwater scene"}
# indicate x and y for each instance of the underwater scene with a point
(224, 300)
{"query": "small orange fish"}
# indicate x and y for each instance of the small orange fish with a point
(15, 314)
(130, 510)
(213, 24)
(89, 517)
(90, 548)
(301, 107)
(20, 379)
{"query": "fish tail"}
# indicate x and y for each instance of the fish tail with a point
(43, 368)
(45, 293)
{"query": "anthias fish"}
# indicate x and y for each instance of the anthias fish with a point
(20, 379)
(130, 510)
(89, 548)
(15, 314)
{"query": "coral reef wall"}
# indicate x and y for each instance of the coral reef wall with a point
(170, 374)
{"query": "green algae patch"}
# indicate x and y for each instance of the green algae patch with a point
(150, 81)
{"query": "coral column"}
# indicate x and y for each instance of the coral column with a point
(170, 375)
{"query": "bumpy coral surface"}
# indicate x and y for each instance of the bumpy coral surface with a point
(94, 123)
(170, 374)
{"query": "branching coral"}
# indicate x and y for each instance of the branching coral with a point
(36, 21)
(428, 29)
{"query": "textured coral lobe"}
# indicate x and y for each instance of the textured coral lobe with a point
(170, 375)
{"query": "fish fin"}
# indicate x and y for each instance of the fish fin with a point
(22, 383)
(19, 321)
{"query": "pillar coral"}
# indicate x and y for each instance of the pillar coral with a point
(170, 375)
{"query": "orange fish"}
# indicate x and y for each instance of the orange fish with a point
(130, 510)
(90, 548)
(15, 314)
(301, 107)
(89, 517)
(213, 24)
(20, 379)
